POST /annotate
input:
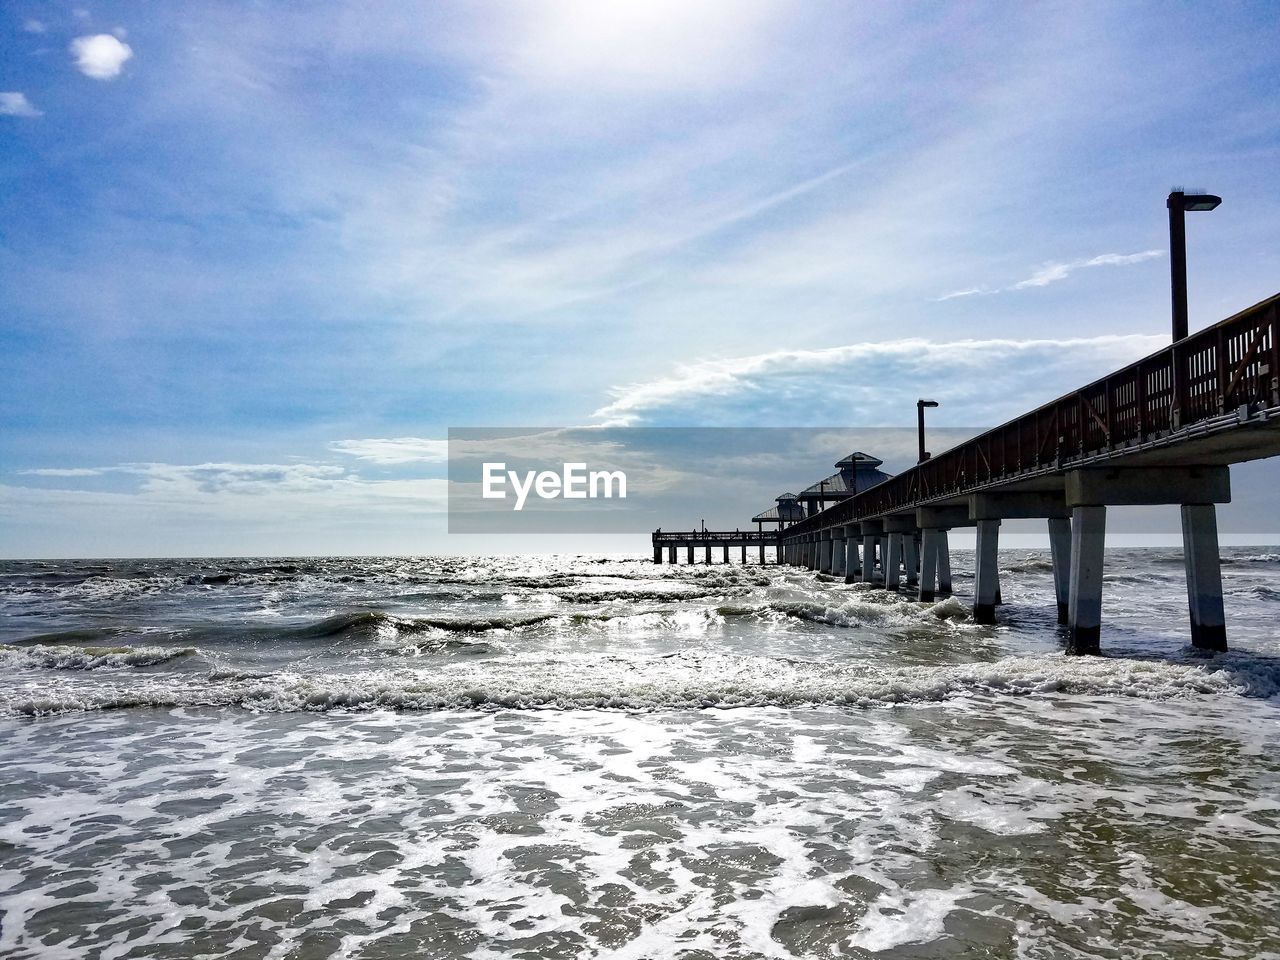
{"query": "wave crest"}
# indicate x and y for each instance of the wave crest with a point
(676, 681)
(70, 657)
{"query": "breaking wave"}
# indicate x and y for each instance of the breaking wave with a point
(674, 681)
(70, 657)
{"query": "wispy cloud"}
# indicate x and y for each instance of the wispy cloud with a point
(1054, 271)
(16, 104)
(101, 56)
(63, 472)
(967, 292)
(33, 26)
(221, 508)
(394, 450)
(873, 384)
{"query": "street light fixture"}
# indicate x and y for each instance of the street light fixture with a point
(920, 405)
(1179, 203)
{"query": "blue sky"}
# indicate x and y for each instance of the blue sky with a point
(243, 246)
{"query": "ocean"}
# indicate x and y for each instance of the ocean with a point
(590, 756)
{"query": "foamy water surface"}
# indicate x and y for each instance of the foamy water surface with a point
(599, 757)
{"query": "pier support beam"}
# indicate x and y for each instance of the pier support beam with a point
(911, 559)
(944, 564)
(689, 556)
(870, 534)
(1195, 489)
(1084, 615)
(1049, 504)
(986, 571)
(892, 559)
(852, 561)
(1060, 550)
(726, 553)
(940, 520)
(657, 553)
(899, 530)
(671, 554)
(707, 554)
(1204, 576)
(824, 562)
(929, 564)
(838, 551)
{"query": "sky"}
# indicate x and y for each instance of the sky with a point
(257, 258)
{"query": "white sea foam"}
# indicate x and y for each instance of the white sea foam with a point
(70, 657)
(624, 835)
(679, 681)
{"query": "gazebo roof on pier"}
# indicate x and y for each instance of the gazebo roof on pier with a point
(858, 459)
(858, 471)
(787, 508)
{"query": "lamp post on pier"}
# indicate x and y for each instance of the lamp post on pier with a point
(920, 405)
(1179, 203)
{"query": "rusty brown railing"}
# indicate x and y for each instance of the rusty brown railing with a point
(1211, 373)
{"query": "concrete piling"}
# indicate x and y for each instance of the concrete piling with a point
(852, 561)
(911, 559)
(892, 560)
(1204, 576)
(986, 571)
(1084, 615)
(1060, 550)
(944, 564)
(928, 564)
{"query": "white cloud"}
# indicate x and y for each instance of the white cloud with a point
(967, 292)
(394, 450)
(33, 26)
(874, 383)
(100, 56)
(63, 472)
(14, 104)
(246, 489)
(1054, 271)
(214, 509)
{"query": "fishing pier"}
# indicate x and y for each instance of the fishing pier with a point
(1163, 430)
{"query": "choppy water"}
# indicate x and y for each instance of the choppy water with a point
(597, 757)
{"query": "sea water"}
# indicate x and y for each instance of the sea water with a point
(575, 756)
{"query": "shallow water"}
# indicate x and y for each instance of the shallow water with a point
(576, 756)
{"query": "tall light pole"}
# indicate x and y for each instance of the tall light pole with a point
(920, 405)
(1179, 203)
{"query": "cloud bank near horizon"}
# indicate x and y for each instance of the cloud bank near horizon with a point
(978, 382)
